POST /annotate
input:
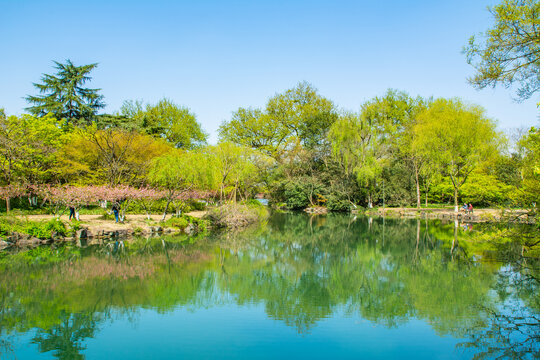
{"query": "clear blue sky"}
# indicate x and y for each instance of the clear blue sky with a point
(216, 56)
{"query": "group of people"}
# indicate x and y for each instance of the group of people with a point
(467, 208)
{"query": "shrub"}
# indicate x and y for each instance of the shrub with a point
(177, 222)
(236, 215)
(44, 230)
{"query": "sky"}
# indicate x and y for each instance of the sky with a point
(216, 56)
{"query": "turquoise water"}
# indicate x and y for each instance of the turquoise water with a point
(325, 287)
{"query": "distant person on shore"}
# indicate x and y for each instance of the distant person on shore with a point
(116, 211)
(465, 207)
(470, 208)
(71, 213)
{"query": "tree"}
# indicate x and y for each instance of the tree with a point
(178, 172)
(166, 120)
(29, 148)
(355, 146)
(298, 116)
(457, 137)
(234, 166)
(64, 96)
(113, 156)
(531, 165)
(509, 52)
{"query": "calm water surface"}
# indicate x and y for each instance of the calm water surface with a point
(331, 286)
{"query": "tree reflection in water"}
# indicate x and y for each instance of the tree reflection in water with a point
(66, 339)
(301, 269)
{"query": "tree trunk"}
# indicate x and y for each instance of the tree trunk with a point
(456, 208)
(8, 205)
(165, 211)
(418, 200)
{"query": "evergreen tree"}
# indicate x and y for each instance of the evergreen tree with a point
(64, 96)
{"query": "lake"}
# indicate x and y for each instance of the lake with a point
(330, 286)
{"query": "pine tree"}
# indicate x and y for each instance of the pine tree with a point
(64, 96)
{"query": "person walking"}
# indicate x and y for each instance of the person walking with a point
(116, 211)
(72, 213)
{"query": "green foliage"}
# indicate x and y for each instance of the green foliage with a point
(237, 169)
(299, 193)
(64, 95)
(29, 148)
(166, 120)
(457, 137)
(45, 229)
(297, 116)
(39, 229)
(509, 52)
(531, 166)
(481, 189)
(177, 222)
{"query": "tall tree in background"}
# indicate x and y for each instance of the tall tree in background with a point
(509, 52)
(457, 137)
(166, 120)
(298, 116)
(64, 96)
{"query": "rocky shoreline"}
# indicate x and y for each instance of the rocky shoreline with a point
(478, 216)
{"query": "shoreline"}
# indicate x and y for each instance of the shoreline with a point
(478, 216)
(94, 228)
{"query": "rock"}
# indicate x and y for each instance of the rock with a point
(81, 234)
(46, 241)
(190, 229)
(4, 244)
(29, 242)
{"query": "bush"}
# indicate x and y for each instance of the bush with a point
(44, 230)
(39, 229)
(177, 222)
(236, 215)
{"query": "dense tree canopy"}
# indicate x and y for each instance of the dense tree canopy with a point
(166, 120)
(298, 116)
(457, 137)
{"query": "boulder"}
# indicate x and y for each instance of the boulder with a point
(28, 242)
(81, 234)
(190, 229)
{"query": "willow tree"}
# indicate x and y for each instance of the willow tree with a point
(235, 166)
(65, 96)
(180, 171)
(355, 145)
(457, 137)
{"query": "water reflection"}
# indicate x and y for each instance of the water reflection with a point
(301, 269)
